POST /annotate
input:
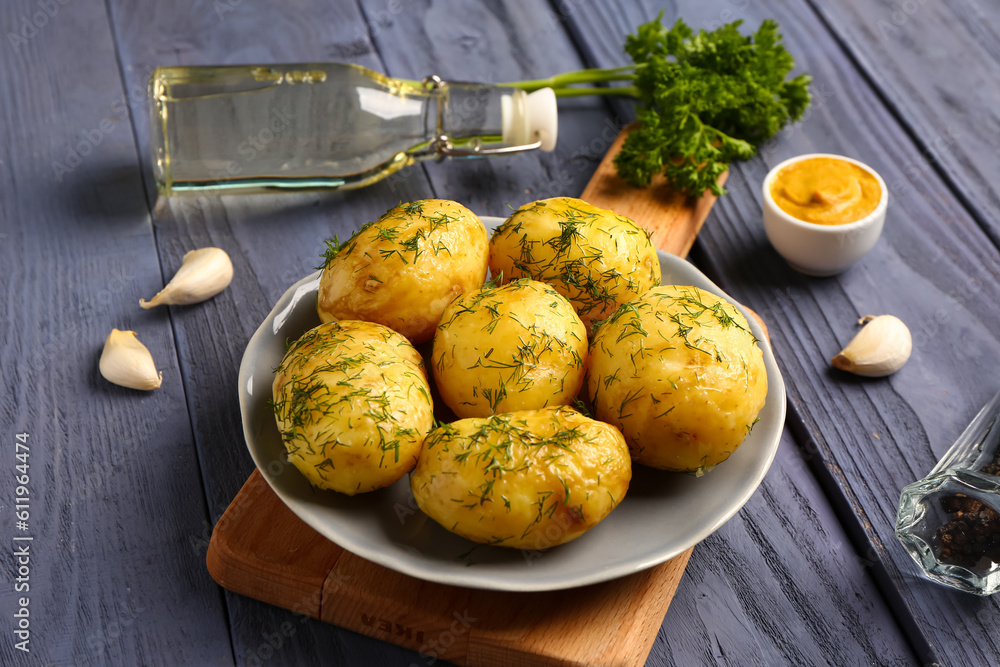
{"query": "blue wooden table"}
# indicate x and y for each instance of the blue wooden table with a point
(125, 486)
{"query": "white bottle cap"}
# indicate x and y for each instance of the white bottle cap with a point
(531, 117)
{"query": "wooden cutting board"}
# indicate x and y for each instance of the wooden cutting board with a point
(259, 548)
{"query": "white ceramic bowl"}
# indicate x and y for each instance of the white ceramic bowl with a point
(821, 250)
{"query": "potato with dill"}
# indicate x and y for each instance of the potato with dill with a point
(680, 373)
(594, 257)
(352, 404)
(404, 268)
(531, 479)
(520, 346)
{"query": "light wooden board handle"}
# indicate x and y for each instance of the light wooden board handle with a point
(673, 219)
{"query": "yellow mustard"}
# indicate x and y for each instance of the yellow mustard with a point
(825, 191)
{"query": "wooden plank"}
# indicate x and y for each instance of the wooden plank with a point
(580, 626)
(273, 241)
(909, 50)
(259, 548)
(113, 488)
(933, 268)
(781, 584)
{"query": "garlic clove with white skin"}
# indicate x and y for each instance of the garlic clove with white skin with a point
(881, 347)
(127, 362)
(203, 274)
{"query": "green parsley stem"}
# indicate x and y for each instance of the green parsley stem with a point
(593, 75)
(623, 91)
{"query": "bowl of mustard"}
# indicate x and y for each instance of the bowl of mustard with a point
(823, 212)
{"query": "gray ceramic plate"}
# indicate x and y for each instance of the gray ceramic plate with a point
(662, 516)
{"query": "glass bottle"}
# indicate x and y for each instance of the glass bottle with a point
(949, 521)
(312, 126)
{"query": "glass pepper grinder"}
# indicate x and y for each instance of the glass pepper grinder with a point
(949, 521)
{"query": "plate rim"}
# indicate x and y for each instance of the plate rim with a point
(598, 575)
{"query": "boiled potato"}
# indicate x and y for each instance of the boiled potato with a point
(594, 257)
(353, 405)
(680, 373)
(516, 347)
(530, 479)
(404, 268)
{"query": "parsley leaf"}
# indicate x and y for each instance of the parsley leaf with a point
(705, 99)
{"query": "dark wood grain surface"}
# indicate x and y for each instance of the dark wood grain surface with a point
(934, 268)
(126, 486)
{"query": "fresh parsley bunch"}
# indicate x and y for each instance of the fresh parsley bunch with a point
(705, 99)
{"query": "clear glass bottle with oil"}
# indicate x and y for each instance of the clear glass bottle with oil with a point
(313, 126)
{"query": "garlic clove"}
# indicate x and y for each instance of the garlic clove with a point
(203, 274)
(881, 347)
(127, 362)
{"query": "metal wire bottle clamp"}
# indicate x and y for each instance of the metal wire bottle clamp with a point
(442, 144)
